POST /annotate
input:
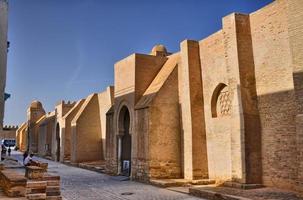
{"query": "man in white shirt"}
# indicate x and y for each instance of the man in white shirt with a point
(29, 160)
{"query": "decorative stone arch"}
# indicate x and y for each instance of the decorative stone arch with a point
(58, 137)
(220, 101)
(123, 107)
(124, 120)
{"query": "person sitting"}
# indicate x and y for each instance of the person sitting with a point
(28, 161)
(25, 155)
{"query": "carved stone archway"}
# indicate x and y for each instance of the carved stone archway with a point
(124, 142)
(58, 142)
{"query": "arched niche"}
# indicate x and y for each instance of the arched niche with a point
(221, 101)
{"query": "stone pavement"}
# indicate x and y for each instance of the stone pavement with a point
(81, 184)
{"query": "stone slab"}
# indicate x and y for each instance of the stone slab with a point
(36, 184)
(211, 195)
(12, 183)
(242, 185)
(180, 182)
(97, 166)
(4, 197)
(265, 193)
(53, 198)
(120, 178)
(39, 196)
(53, 183)
(34, 172)
(184, 190)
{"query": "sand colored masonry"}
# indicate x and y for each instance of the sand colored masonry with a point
(227, 107)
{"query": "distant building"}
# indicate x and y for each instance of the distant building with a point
(73, 132)
(3, 55)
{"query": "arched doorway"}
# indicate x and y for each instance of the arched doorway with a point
(125, 142)
(58, 142)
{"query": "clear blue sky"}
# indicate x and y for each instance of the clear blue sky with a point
(66, 49)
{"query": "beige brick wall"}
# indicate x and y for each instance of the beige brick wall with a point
(46, 130)
(105, 99)
(242, 81)
(191, 103)
(125, 76)
(276, 97)
(146, 69)
(164, 136)
(66, 136)
(257, 66)
(218, 130)
(42, 140)
(86, 132)
(140, 161)
(111, 144)
(34, 113)
(250, 76)
(21, 137)
(295, 29)
(8, 134)
(49, 137)
(58, 143)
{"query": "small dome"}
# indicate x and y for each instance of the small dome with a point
(159, 49)
(36, 104)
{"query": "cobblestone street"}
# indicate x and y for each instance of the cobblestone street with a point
(82, 184)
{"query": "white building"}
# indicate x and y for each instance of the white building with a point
(3, 55)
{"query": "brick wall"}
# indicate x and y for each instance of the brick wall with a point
(164, 136)
(86, 132)
(214, 72)
(66, 136)
(275, 90)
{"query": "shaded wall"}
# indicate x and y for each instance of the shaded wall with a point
(42, 139)
(276, 96)
(193, 132)
(164, 136)
(140, 159)
(49, 136)
(111, 144)
(295, 29)
(86, 132)
(105, 99)
(66, 135)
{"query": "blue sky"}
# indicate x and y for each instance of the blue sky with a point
(66, 49)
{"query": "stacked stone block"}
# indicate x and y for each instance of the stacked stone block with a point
(36, 189)
(46, 188)
(42, 185)
(53, 191)
(12, 183)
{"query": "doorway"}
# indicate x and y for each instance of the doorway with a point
(58, 142)
(125, 160)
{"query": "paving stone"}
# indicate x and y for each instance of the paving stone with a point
(81, 184)
(38, 196)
